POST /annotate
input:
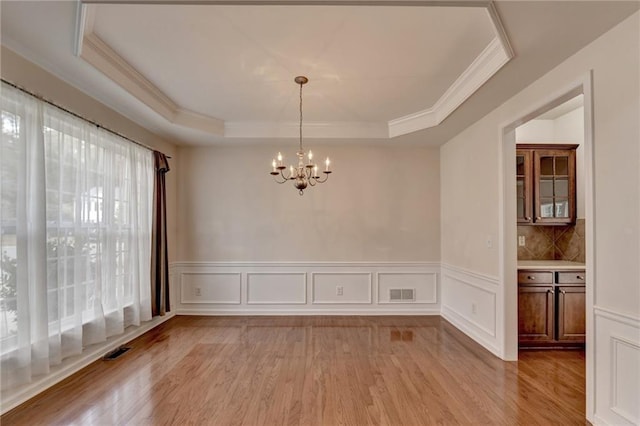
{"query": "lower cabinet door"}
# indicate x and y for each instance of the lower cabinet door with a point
(535, 314)
(571, 313)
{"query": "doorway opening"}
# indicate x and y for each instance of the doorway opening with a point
(547, 228)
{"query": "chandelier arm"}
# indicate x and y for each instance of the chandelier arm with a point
(323, 180)
(275, 177)
(312, 181)
(286, 178)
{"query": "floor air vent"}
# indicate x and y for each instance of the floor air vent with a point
(114, 354)
(402, 294)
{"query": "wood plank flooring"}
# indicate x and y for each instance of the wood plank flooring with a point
(314, 371)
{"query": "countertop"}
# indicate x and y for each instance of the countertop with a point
(550, 264)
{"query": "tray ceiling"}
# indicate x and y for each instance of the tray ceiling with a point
(47, 33)
(375, 71)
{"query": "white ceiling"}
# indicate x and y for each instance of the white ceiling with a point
(237, 63)
(223, 74)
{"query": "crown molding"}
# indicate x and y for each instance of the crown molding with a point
(104, 58)
(486, 64)
(501, 33)
(443, 3)
(194, 120)
(312, 130)
(99, 54)
(78, 34)
(88, 46)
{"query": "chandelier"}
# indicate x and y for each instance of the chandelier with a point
(304, 174)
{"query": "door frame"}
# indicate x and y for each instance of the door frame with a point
(508, 250)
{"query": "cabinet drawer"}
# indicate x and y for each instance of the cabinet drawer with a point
(535, 277)
(573, 277)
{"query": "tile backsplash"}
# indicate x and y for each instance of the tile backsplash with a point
(553, 242)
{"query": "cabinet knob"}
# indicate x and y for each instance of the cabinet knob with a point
(530, 277)
(538, 218)
(580, 277)
(550, 291)
(563, 292)
(527, 218)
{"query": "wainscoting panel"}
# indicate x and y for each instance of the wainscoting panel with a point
(617, 366)
(469, 301)
(303, 288)
(199, 287)
(276, 288)
(425, 285)
(355, 287)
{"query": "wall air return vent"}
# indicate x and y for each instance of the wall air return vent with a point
(402, 294)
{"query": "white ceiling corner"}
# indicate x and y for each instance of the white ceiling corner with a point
(100, 55)
(480, 70)
(497, 52)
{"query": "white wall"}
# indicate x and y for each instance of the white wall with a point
(568, 128)
(536, 131)
(249, 245)
(471, 175)
(380, 204)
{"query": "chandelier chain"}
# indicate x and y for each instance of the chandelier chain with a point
(301, 116)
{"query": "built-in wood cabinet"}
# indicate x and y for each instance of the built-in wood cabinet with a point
(551, 308)
(535, 313)
(546, 184)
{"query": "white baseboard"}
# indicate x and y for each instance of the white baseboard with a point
(470, 301)
(13, 398)
(467, 328)
(309, 312)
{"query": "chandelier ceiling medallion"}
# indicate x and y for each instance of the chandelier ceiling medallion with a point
(302, 175)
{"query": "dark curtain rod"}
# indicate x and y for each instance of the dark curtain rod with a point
(98, 125)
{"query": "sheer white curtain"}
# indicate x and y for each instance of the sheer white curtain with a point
(76, 236)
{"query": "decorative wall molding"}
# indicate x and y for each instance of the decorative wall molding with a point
(621, 351)
(354, 283)
(617, 316)
(276, 288)
(211, 283)
(281, 288)
(488, 279)
(303, 264)
(469, 302)
(617, 367)
(96, 52)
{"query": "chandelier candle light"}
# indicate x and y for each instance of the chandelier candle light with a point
(302, 175)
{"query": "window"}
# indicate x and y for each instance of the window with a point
(75, 234)
(9, 162)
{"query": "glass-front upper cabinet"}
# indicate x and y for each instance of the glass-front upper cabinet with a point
(548, 184)
(523, 186)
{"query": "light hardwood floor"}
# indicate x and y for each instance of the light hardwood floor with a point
(312, 371)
